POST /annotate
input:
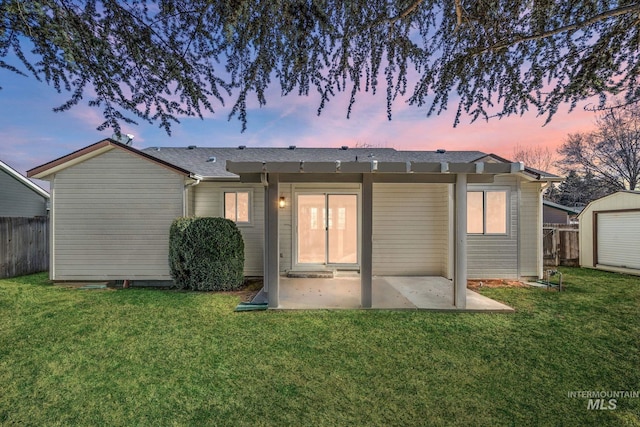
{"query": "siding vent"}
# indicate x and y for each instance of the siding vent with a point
(441, 150)
(211, 159)
(344, 147)
(191, 147)
(242, 147)
(292, 147)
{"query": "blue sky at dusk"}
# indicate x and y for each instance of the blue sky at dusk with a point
(32, 134)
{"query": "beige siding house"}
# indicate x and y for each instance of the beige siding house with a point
(412, 240)
(384, 212)
(208, 200)
(19, 197)
(610, 233)
(111, 211)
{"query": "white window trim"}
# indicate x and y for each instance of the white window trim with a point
(238, 190)
(484, 191)
(325, 190)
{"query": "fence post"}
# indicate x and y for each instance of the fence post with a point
(562, 244)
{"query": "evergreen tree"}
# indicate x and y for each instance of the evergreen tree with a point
(580, 189)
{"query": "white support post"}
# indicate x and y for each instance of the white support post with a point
(271, 244)
(265, 247)
(366, 266)
(460, 275)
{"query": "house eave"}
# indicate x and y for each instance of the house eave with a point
(220, 178)
(530, 175)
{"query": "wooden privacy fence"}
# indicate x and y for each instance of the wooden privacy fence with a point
(561, 245)
(24, 246)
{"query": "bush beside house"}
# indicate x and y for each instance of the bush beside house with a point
(206, 254)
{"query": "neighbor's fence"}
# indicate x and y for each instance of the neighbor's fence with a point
(24, 246)
(561, 245)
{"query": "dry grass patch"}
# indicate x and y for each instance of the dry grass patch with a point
(476, 284)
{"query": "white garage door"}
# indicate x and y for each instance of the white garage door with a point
(619, 239)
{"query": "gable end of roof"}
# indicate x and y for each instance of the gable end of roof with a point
(93, 150)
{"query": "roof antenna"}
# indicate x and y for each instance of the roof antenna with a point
(126, 139)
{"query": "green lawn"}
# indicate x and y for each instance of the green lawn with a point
(151, 357)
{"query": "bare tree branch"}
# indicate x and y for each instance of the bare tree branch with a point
(612, 151)
(576, 25)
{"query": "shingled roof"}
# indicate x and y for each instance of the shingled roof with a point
(210, 162)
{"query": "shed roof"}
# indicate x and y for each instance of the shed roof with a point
(611, 201)
(23, 180)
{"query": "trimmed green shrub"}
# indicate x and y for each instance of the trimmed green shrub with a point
(206, 254)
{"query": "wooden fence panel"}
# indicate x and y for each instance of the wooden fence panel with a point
(561, 245)
(24, 246)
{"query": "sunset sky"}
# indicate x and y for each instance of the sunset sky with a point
(32, 134)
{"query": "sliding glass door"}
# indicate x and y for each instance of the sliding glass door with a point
(327, 229)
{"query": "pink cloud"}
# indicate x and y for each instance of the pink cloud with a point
(88, 116)
(410, 129)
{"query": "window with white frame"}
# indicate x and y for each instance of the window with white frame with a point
(487, 212)
(237, 206)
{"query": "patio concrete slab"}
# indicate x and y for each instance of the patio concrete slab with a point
(435, 293)
(305, 293)
(389, 292)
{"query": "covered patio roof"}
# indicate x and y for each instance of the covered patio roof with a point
(479, 172)
(271, 174)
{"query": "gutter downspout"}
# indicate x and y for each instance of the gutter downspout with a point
(185, 196)
(544, 186)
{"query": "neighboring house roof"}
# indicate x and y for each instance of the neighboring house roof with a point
(92, 151)
(211, 161)
(566, 209)
(22, 179)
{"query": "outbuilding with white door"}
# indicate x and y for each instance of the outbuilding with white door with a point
(610, 233)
